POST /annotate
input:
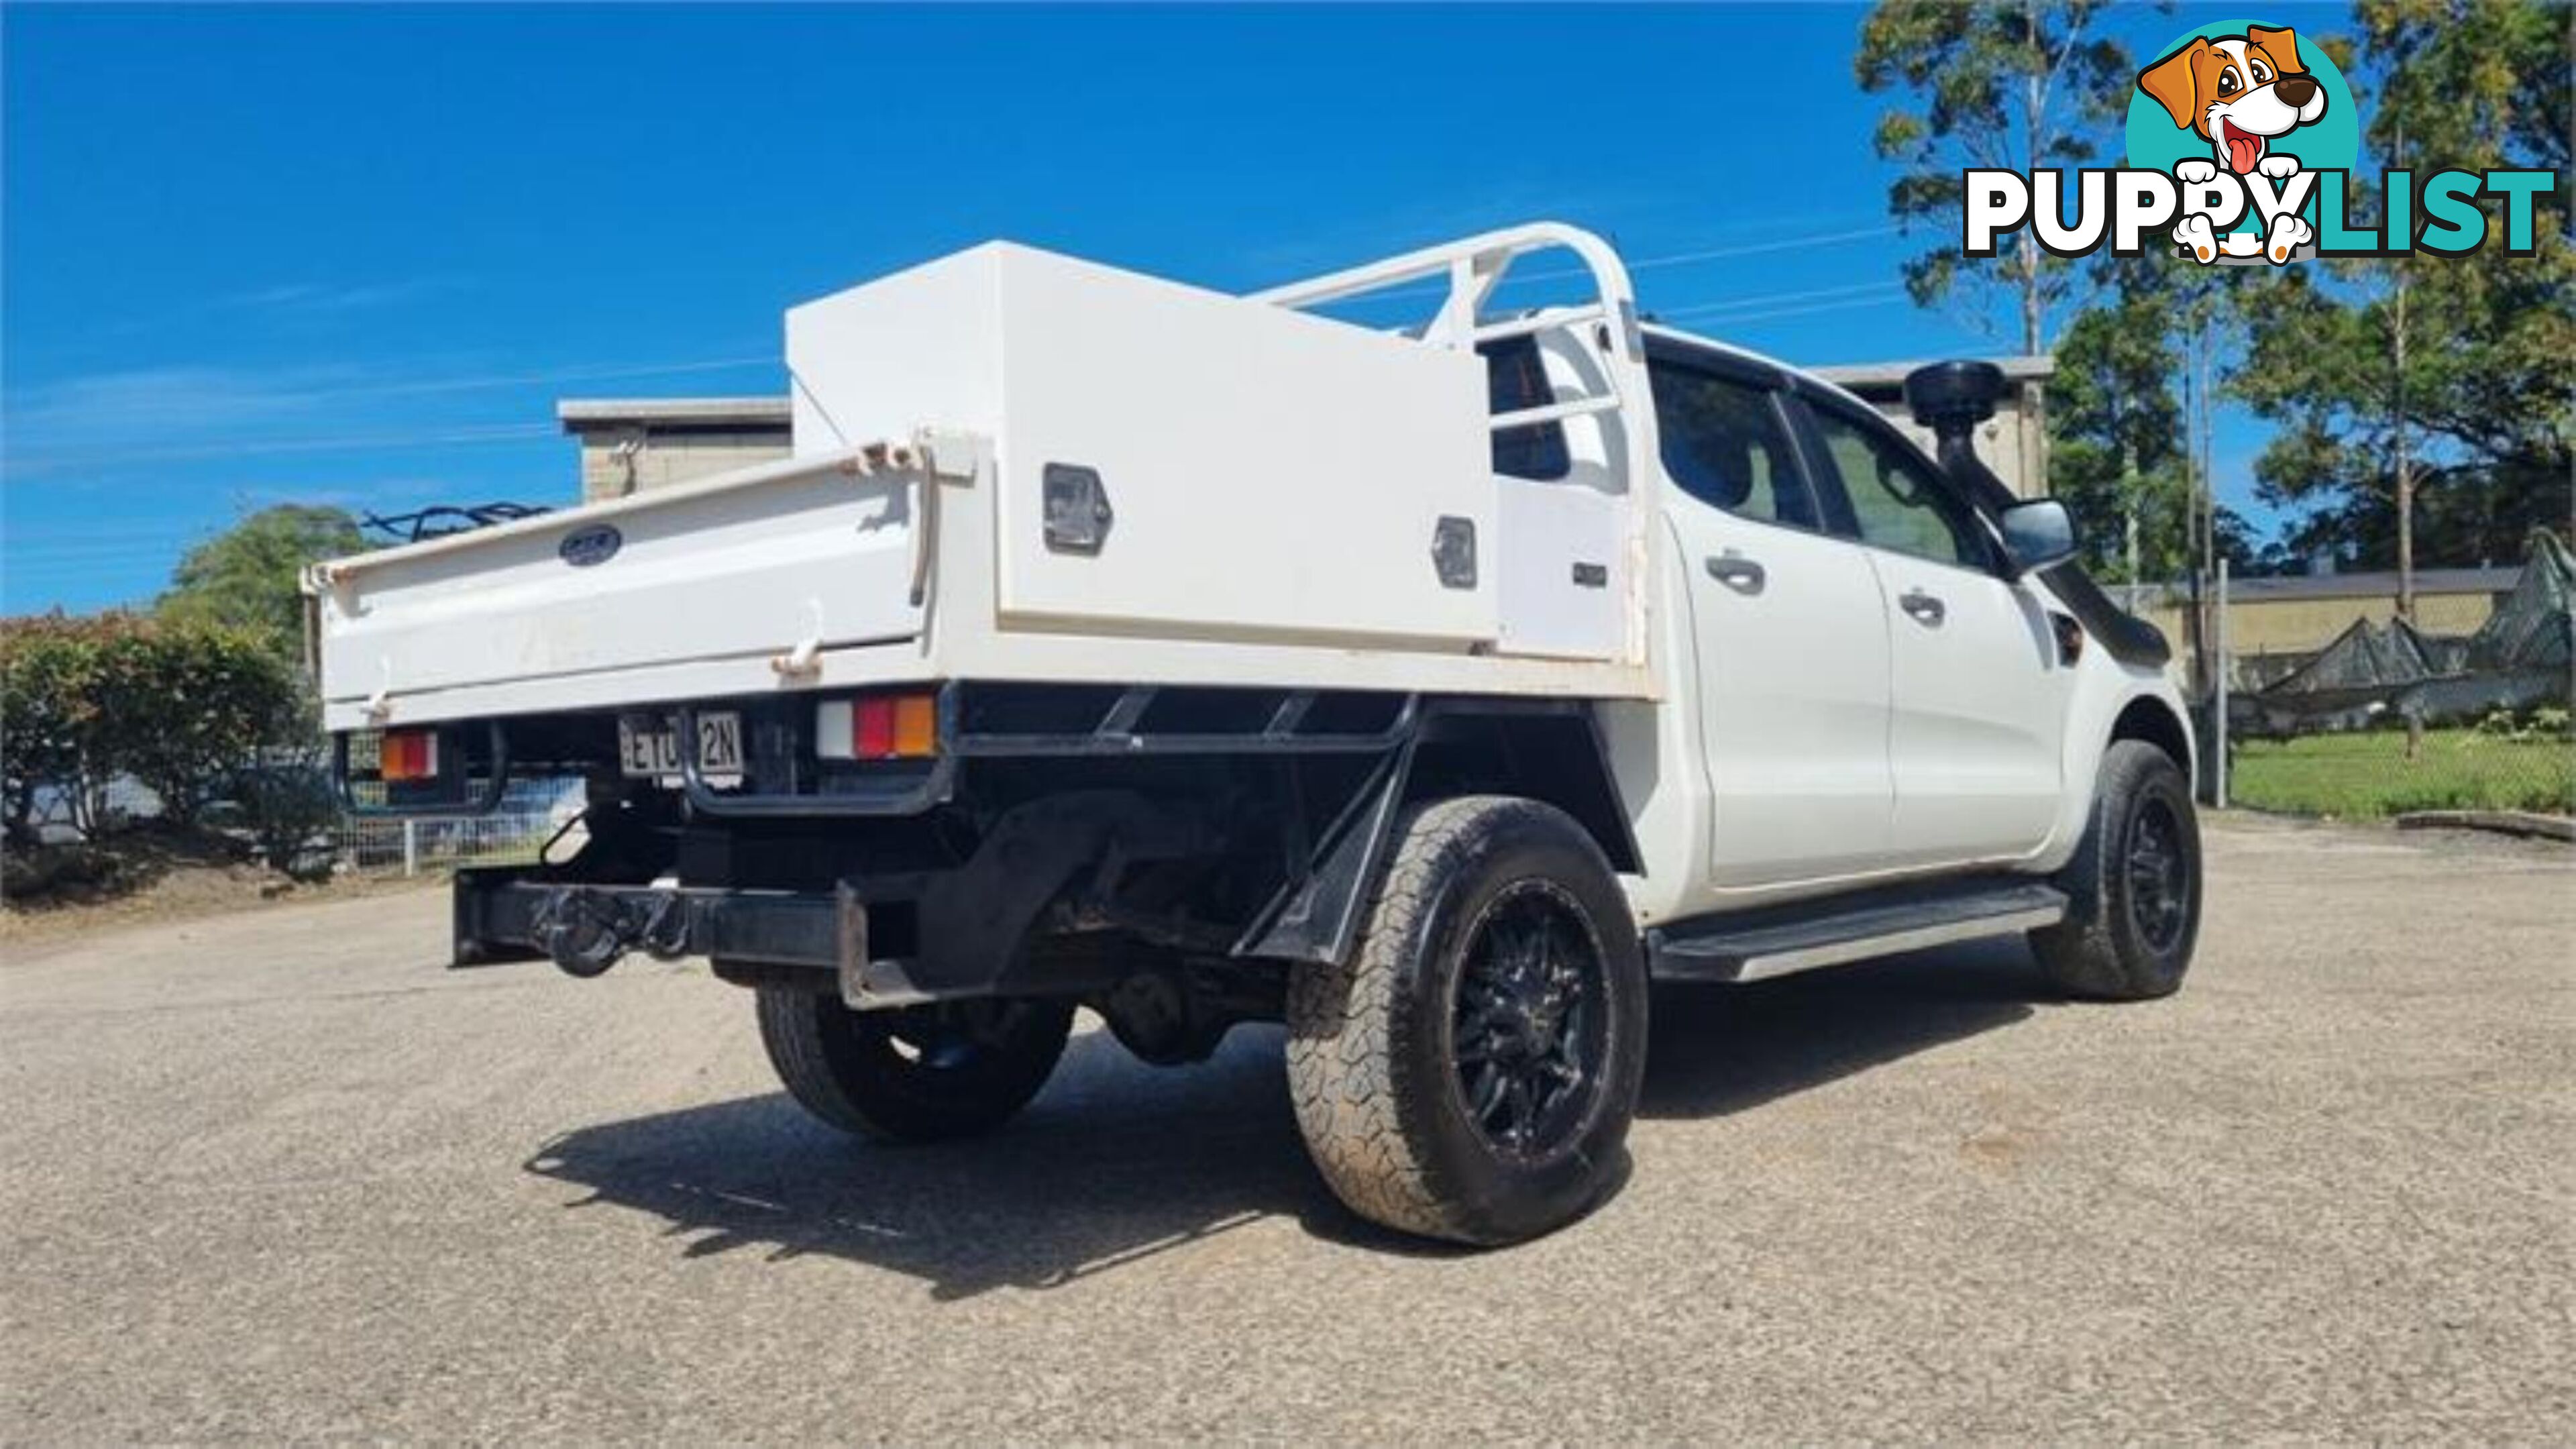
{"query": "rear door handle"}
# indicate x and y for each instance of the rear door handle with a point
(1737, 572)
(1927, 610)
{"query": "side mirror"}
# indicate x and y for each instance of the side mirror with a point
(2037, 534)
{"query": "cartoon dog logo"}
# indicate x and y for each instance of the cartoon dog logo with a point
(2240, 92)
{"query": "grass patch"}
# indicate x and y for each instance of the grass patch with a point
(2366, 775)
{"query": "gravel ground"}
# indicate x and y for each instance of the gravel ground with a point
(279, 1176)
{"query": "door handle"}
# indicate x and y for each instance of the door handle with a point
(1927, 610)
(1737, 572)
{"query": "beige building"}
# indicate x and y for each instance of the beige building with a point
(2274, 624)
(632, 444)
(2014, 442)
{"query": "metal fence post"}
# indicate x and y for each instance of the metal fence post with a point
(411, 847)
(2218, 716)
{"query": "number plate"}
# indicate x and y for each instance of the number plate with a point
(650, 748)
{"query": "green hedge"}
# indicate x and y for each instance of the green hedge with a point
(181, 707)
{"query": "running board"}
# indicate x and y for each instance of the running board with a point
(1777, 940)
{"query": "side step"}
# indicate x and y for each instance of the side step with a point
(1777, 940)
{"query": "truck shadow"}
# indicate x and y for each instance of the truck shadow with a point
(1720, 1049)
(1115, 1162)
(1118, 1161)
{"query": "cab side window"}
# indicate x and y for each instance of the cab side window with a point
(1722, 442)
(1897, 504)
(1515, 378)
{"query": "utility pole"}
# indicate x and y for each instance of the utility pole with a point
(2129, 510)
(2218, 714)
(2405, 465)
(2195, 381)
(2034, 102)
(2397, 415)
(2208, 446)
(2405, 468)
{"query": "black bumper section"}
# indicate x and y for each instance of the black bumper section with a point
(585, 929)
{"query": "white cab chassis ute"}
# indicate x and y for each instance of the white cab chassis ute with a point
(1201, 659)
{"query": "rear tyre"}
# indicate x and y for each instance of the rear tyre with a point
(1471, 1073)
(2134, 887)
(920, 1074)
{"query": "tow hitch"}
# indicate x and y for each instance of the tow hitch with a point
(586, 930)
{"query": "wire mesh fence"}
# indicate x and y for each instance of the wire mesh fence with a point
(2388, 718)
(531, 813)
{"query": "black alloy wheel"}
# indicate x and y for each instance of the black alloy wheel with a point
(1470, 1072)
(2133, 889)
(2159, 879)
(1527, 1036)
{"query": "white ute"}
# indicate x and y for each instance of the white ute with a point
(1200, 658)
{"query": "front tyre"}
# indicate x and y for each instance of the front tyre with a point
(2134, 887)
(919, 1074)
(1471, 1073)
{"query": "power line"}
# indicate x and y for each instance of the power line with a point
(515, 432)
(571, 374)
(1431, 285)
(257, 448)
(1843, 305)
(1734, 303)
(1751, 249)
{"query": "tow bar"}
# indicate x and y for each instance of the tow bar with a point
(586, 930)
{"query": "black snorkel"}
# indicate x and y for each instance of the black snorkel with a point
(1951, 398)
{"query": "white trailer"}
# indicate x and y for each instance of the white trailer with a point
(1200, 658)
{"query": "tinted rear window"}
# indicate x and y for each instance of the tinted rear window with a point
(1515, 378)
(1723, 443)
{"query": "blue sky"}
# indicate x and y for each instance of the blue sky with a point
(356, 255)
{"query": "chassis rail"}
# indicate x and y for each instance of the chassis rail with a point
(1093, 858)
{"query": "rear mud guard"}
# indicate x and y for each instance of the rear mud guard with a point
(1315, 915)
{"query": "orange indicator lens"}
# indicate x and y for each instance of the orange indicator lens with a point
(409, 755)
(916, 725)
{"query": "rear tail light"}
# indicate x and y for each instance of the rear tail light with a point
(409, 755)
(877, 727)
